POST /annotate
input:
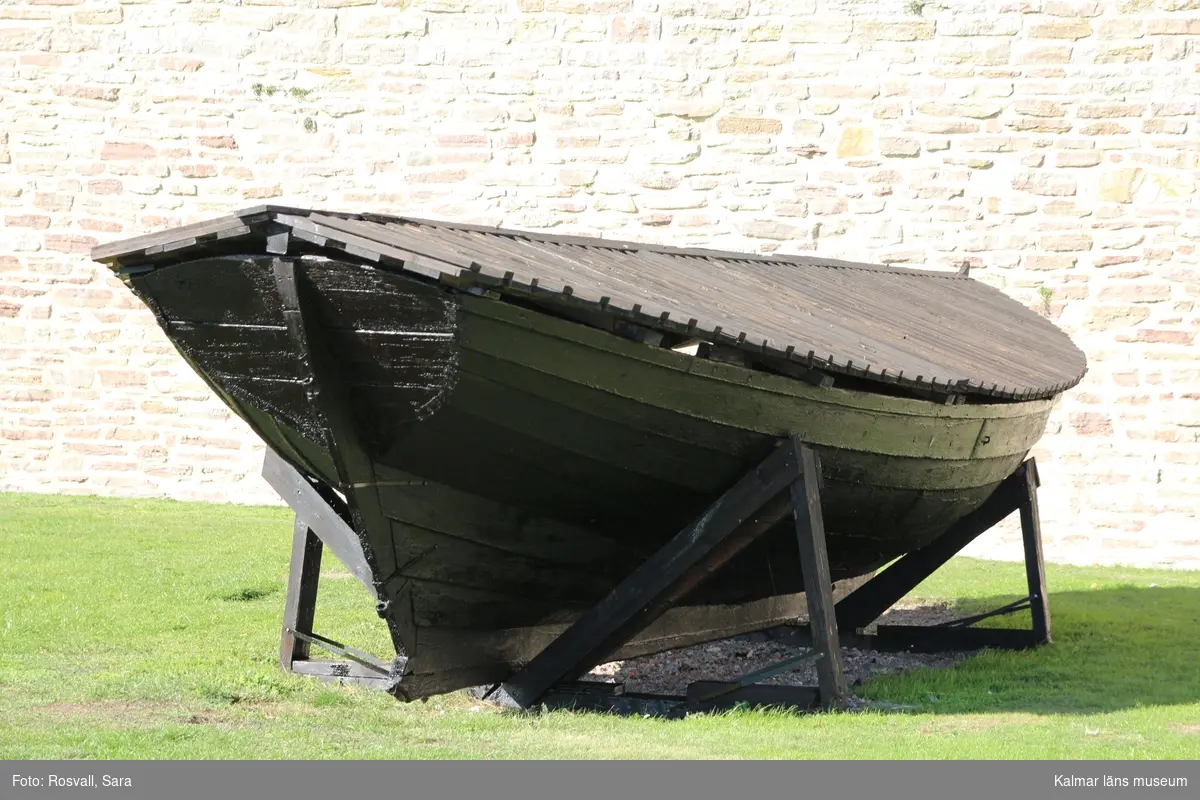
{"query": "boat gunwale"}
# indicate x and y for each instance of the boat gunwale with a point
(596, 338)
(965, 442)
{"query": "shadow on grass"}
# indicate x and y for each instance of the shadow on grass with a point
(250, 594)
(1113, 648)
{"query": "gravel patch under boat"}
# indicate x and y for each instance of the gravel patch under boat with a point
(670, 672)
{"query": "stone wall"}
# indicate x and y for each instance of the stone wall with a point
(1051, 144)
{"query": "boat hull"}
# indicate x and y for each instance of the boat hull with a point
(524, 464)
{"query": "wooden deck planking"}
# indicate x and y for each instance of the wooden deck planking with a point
(572, 271)
(920, 322)
(902, 313)
(656, 277)
(841, 334)
(192, 232)
(1027, 329)
(881, 304)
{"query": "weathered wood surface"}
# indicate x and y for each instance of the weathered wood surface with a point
(315, 516)
(814, 563)
(579, 452)
(340, 671)
(717, 392)
(928, 330)
(1035, 568)
(506, 469)
(496, 652)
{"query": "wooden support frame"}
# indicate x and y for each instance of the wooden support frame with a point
(299, 611)
(320, 524)
(814, 562)
(831, 626)
(322, 514)
(863, 606)
(1035, 567)
(788, 479)
(1018, 492)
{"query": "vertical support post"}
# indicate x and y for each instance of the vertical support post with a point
(301, 604)
(818, 588)
(1035, 568)
(871, 600)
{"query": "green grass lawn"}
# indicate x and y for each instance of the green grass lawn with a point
(149, 629)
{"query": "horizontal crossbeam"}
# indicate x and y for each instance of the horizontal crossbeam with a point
(345, 651)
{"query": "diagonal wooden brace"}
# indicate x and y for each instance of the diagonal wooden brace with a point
(787, 479)
(320, 524)
(319, 517)
(1018, 492)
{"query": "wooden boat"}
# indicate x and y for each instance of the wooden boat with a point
(518, 420)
